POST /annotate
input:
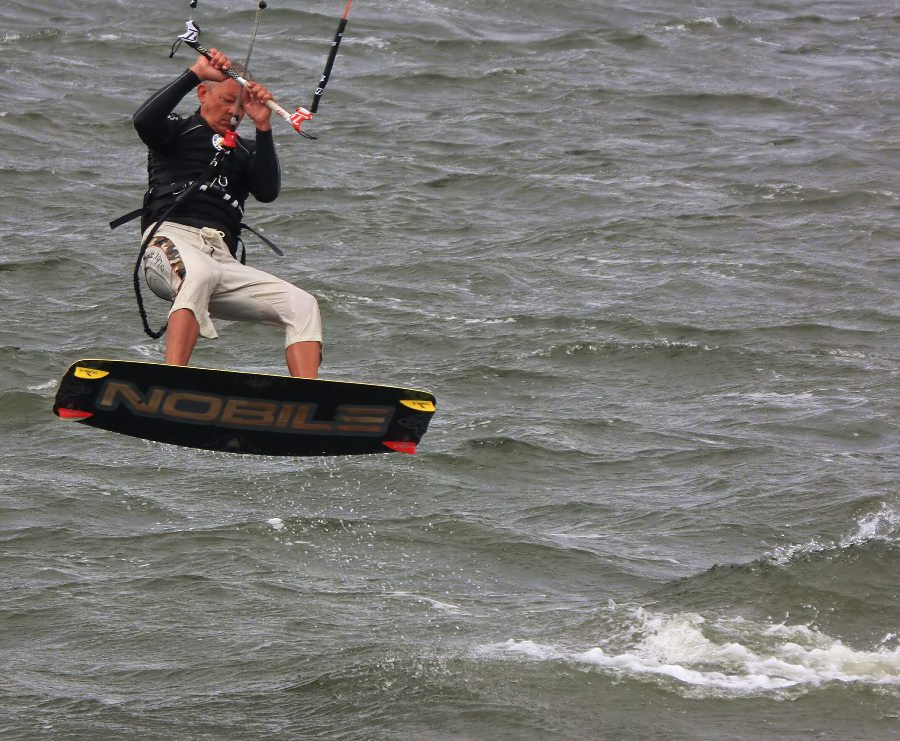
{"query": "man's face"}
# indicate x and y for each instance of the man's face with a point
(218, 103)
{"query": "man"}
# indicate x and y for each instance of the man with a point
(191, 258)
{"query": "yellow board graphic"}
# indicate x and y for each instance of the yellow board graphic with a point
(90, 373)
(419, 406)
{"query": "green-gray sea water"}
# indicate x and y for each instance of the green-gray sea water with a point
(646, 256)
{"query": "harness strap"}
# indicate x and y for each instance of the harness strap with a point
(130, 216)
(272, 246)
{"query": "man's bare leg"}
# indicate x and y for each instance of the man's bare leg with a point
(183, 331)
(303, 359)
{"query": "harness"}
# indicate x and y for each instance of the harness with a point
(174, 190)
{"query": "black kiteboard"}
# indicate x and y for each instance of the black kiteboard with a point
(237, 412)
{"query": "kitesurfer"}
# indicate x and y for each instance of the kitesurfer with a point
(191, 258)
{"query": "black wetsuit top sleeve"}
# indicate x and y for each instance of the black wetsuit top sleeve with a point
(265, 173)
(152, 119)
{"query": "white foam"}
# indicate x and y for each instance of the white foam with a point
(47, 385)
(881, 525)
(707, 21)
(729, 657)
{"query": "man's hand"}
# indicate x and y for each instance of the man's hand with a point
(254, 104)
(212, 69)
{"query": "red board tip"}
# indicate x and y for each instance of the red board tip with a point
(73, 413)
(400, 447)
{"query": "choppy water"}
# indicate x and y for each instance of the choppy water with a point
(647, 260)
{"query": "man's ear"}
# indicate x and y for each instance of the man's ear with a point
(202, 92)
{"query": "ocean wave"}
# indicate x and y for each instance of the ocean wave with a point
(843, 586)
(707, 23)
(880, 526)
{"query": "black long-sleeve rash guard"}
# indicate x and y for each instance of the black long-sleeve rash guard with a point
(180, 151)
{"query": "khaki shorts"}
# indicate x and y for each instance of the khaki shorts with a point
(202, 276)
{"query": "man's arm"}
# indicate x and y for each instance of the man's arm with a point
(265, 175)
(152, 119)
(265, 172)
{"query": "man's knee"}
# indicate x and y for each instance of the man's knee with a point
(304, 323)
(304, 305)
